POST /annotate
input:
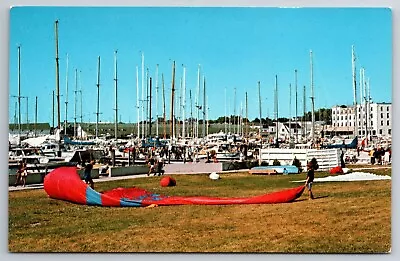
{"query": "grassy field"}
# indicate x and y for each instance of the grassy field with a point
(345, 217)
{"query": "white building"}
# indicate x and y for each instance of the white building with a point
(374, 117)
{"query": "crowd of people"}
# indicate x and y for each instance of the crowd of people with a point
(380, 156)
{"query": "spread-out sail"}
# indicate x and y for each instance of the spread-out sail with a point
(64, 183)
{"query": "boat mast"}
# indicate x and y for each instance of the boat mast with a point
(191, 112)
(137, 102)
(198, 102)
(66, 99)
(207, 112)
(304, 113)
(36, 110)
(80, 91)
(183, 102)
(27, 112)
(98, 97)
(354, 89)
(19, 95)
(164, 111)
(365, 100)
(178, 131)
(150, 109)
(259, 108)
(353, 60)
(53, 108)
(15, 113)
(290, 112)
(241, 119)
(116, 95)
(365, 95)
(229, 118)
(172, 102)
(312, 99)
(247, 117)
(276, 111)
(147, 101)
(75, 101)
(362, 117)
(142, 118)
(295, 80)
(368, 106)
(57, 78)
(234, 110)
(204, 107)
(157, 100)
(225, 113)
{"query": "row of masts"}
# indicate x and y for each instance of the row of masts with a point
(143, 130)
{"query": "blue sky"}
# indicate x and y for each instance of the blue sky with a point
(236, 48)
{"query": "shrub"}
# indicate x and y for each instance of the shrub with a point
(264, 163)
(297, 163)
(276, 163)
(314, 163)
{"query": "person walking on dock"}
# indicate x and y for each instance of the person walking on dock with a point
(24, 174)
(159, 167)
(20, 170)
(151, 165)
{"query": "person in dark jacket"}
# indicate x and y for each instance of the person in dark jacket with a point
(310, 179)
(88, 174)
(342, 163)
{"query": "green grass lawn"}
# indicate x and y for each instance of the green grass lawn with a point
(345, 217)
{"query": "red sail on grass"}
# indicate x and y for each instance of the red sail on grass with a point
(64, 183)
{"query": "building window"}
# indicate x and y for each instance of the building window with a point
(342, 124)
(345, 117)
(374, 132)
(390, 131)
(380, 131)
(350, 124)
(387, 108)
(372, 123)
(371, 108)
(387, 115)
(381, 123)
(381, 115)
(387, 123)
(345, 124)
